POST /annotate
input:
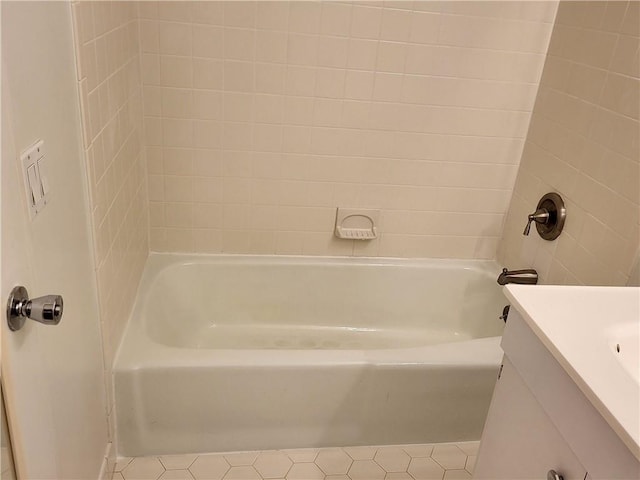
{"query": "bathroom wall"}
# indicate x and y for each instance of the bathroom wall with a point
(584, 143)
(262, 117)
(108, 66)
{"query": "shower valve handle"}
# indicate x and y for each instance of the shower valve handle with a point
(540, 216)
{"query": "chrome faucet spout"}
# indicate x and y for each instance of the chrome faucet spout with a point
(527, 276)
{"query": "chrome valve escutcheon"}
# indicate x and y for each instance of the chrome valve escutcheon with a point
(549, 217)
(47, 309)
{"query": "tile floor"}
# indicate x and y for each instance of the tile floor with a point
(443, 461)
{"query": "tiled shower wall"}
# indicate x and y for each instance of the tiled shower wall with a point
(262, 117)
(107, 53)
(584, 142)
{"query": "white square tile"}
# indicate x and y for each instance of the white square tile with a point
(335, 19)
(302, 49)
(210, 13)
(396, 25)
(362, 54)
(271, 46)
(365, 21)
(240, 14)
(208, 41)
(239, 44)
(174, 38)
(273, 15)
(176, 71)
(304, 17)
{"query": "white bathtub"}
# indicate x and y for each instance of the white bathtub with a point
(226, 353)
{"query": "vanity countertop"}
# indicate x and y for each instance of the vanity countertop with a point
(594, 333)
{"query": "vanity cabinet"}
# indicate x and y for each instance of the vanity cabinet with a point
(519, 440)
(539, 420)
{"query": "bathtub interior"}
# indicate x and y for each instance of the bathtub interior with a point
(260, 304)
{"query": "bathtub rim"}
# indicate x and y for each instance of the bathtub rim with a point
(146, 353)
(158, 261)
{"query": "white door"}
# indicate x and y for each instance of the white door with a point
(53, 376)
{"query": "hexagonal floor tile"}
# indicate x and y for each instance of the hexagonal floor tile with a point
(272, 464)
(418, 450)
(333, 461)
(398, 476)
(392, 459)
(471, 462)
(176, 475)
(305, 471)
(177, 462)
(121, 463)
(469, 448)
(456, 475)
(209, 467)
(361, 453)
(425, 469)
(366, 470)
(245, 472)
(241, 458)
(449, 457)
(301, 455)
(143, 468)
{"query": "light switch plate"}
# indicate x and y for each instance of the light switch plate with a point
(31, 160)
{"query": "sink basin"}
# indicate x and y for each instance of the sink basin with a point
(624, 344)
(594, 333)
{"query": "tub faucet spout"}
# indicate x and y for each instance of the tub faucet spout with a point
(527, 276)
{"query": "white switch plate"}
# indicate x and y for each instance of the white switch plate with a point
(32, 159)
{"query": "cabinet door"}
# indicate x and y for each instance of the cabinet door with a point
(519, 441)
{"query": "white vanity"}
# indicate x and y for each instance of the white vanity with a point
(567, 401)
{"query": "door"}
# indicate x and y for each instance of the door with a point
(53, 376)
(7, 470)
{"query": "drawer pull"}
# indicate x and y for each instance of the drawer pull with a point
(553, 475)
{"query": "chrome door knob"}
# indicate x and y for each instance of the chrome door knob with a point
(47, 309)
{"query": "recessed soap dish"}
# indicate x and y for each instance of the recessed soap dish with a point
(352, 224)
